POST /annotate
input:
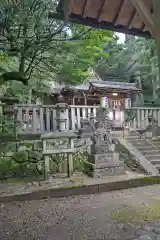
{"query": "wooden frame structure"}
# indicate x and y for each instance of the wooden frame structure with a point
(126, 16)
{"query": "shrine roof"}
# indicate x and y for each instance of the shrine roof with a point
(116, 15)
(80, 87)
(102, 85)
(114, 85)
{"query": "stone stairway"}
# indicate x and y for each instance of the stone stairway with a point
(149, 149)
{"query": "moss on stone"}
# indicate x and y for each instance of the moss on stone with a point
(138, 214)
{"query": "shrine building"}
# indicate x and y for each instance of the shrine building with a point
(116, 95)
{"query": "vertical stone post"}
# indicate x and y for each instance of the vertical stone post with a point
(46, 167)
(46, 161)
(70, 159)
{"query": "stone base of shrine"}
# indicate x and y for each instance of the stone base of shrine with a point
(107, 164)
(110, 171)
(109, 159)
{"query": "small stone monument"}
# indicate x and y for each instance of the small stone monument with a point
(106, 160)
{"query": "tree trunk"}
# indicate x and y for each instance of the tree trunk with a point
(30, 96)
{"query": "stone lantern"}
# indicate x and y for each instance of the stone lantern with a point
(62, 117)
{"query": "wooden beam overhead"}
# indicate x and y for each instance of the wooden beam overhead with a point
(144, 13)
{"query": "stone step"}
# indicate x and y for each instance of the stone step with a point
(153, 157)
(146, 148)
(155, 161)
(132, 137)
(150, 151)
(157, 166)
(143, 143)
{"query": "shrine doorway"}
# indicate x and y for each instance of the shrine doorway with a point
(116, 113)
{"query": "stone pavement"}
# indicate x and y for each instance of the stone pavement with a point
(132, 214)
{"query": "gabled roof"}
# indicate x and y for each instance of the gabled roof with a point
(115, 15)
(97, 84)
(79, 87)
(114, 85)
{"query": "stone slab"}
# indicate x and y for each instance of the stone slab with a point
(110, 171)
(108, 159)
(106, 165)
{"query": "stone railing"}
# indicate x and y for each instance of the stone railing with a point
(43, 118)
(140, 121)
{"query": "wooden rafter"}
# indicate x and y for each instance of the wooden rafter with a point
(120, 10)
(132, 18)
(144, 13)
(84, 8)
(99, 15)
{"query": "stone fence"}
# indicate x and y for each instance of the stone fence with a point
(45, 118)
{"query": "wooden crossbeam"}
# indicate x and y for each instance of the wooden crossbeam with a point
(144, 13)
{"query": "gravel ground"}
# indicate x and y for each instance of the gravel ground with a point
(121, 215)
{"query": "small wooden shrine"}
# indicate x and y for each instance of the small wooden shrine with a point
(118, 96)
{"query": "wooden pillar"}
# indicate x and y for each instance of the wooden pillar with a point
(73, 100)
(156, 20)
(85, 99)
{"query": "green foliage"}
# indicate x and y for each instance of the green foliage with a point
(137, 55)
(81, 162)
(42, 50)
(20, 157)
(130, 114)
(77, 55)
(58, 161)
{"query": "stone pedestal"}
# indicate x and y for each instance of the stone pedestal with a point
(105, 159)
(107, 164)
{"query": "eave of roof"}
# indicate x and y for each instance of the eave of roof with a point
(102, 86)
(115, 15)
